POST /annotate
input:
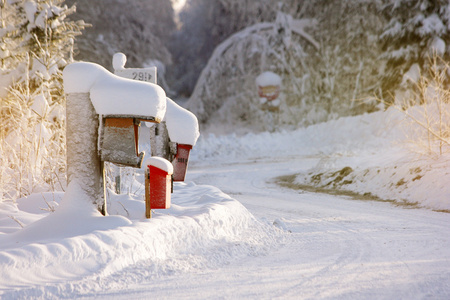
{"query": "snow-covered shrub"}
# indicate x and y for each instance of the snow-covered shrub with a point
(37, 41)
(427, 108)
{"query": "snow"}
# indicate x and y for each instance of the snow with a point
(40, 105)
(182, 125)
(233, 232)
(412, 75)
(201, 230)
(158, 162)
(268, 78)
(438, 46)
(30, 10)
(114, 95)
(119, 61)
(431, 25)
(376, 146)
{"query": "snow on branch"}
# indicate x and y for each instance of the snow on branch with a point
(298, 26)
(235, 63)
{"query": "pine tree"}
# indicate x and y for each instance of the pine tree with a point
(38, 44)
(417, 30)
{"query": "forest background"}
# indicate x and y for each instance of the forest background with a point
(335, 58)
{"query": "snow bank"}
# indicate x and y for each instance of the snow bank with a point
(114, 95)
(204, 228)
(71, 218)
(337, 137)
(367, 154)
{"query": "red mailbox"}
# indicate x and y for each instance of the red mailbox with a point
(180, 162)
(158, 185)
(270, 92)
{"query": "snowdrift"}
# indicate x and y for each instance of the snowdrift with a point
(74, 250)
(204, 228)
(377, 154)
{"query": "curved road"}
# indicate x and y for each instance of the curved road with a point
(337, 248)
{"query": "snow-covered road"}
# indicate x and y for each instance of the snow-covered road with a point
(284, 244)
(335, 247)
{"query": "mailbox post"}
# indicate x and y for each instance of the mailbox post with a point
(83, 163)
(269, 87)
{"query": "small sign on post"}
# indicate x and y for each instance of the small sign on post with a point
(141, 74)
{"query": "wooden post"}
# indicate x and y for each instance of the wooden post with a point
(117, 178)
(148, 211)
(159, 140)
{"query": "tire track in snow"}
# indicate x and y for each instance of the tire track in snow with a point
(340, 247)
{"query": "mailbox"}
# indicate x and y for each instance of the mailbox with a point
(158, 184)
(269, 87)
(119, 139)
(180, 163)
(270, 92)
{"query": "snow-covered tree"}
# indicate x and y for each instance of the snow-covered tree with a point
(39, 44)
(226, 90)
(417, 30)
(347, 66)
(325, 51)
(204, 25)
(140, 28)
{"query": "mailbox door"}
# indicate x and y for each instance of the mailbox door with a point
(119, 142)
(180, 163)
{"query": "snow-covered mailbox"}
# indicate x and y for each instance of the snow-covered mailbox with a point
(269, 86)
(158, 184)
(179, 124)
(103, 114)
(182, 126)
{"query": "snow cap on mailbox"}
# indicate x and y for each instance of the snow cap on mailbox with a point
(114, 95)
(159, 162)
(268, 78)
(182, 125)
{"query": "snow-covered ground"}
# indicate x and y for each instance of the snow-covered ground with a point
(249, 223)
